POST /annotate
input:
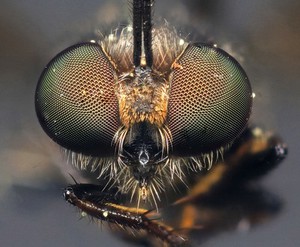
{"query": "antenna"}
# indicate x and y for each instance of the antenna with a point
(142, 27)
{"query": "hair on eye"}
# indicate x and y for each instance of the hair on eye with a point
(91, 200)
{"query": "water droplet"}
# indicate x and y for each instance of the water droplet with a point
(111, 37)
(181, 42)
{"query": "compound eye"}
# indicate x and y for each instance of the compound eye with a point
(210, 100)
(75, 100)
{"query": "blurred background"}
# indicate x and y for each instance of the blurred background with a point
(263, 35)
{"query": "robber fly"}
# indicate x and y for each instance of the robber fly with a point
(149, 111)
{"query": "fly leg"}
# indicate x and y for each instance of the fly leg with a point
(223, 197)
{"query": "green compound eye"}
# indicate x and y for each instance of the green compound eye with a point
(75, 100)
(210, 100)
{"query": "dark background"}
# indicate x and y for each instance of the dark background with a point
(262, 34)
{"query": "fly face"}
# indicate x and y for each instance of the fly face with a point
(144, 106)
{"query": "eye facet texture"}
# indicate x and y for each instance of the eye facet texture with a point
(210, 100)
(75, 100)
